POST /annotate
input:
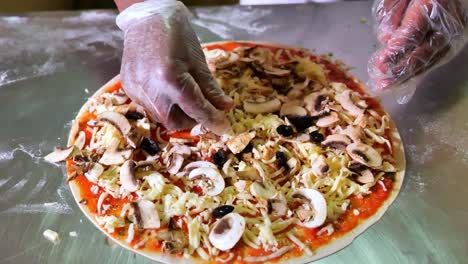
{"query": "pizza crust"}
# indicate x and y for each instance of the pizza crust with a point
(323, 251)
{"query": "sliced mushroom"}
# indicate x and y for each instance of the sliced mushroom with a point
(304, 214)
(275, 71)
(133, 111)
(248, 173)
(345, 99)
(303, 137)
(198, 130)
(315, 102)
(119, 121)
(146, 214)
(238, 143)
(127, 176)
(220, 58)
(327, 119)
(361, 121)
(133, 139)
(291, 109)
(298, 89)
(259, 190)
(60, 154)
(258, 54)
(119, 98)
(198, 164)
(227, 231)
(80, 141)
(364, 154)
(114, 157)
(316, 205)
(174, 241)
(320, 166)
(336, 141)
(270, 106)
(388, 167)
(181, 149)
(294, 165)
(277, 205)
(212, 181)
(365, 176)
(94, 172)
(175, 164)
(240, 185)
(353, 132)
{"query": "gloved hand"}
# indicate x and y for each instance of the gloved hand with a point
(164, 68)
(415, 36)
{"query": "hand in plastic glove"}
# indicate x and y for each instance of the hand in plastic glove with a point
(415, 34)
(164, 68)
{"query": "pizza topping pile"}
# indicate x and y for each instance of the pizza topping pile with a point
(300, 147)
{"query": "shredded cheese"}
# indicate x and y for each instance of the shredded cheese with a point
(174, 195)
(301, 245)
(326, 229)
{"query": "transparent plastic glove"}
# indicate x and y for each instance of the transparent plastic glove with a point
(164, 68)
(416, 36)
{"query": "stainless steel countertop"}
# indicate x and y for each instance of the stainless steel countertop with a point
(51, 62)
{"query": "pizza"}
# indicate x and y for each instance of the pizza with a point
(311, 161)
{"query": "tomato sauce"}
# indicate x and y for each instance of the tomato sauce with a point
(367, 205)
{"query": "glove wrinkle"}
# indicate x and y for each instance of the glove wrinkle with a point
(164, 68)
(416, 36)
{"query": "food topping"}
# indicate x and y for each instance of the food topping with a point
(337, 142)
(284, 130)
(301, 148)
(223, 210)
(127, 176)
(238, 143)
(60, 154)
(146, 214)
(227, 231)
(149, 146)
(209, 179)
(220, 157)
(316, 137)
(301, 123)
(119, 121)
(313, 212)
(364, 154)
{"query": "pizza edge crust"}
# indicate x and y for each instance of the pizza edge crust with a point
(323, 251)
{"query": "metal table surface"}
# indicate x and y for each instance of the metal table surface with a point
(51, 62)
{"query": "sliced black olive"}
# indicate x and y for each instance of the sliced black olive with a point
(220, 157)
(247, 148)
(284, 130)
(149, 146)
(223, 210)
(316, 137)
(246, 151)
(134, 115)
(281, 159)
(301, 123)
